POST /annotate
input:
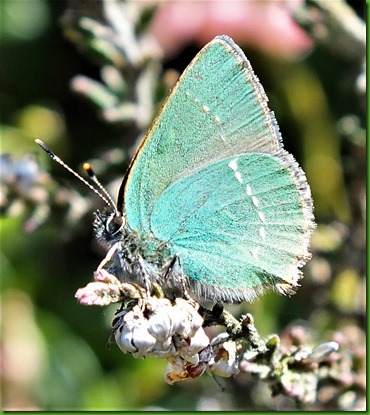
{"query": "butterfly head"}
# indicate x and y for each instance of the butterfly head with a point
(109, 227)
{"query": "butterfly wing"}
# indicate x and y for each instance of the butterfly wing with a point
(237, 225)
(212, 179)
(218, 108)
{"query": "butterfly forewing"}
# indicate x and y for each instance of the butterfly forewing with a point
(217, 109)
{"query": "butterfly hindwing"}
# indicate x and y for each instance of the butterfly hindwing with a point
(236, 225)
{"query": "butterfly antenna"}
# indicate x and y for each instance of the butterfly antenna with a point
(88, 169)
(104, 195)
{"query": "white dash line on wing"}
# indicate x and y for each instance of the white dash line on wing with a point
(234, 167)
(233, 164)
(261, 216)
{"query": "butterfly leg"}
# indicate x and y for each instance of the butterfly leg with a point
(173, 278)
(109, 256)
(116, 322)
(144, 276)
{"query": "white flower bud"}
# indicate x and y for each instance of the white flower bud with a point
(98, 293)
(161, 328)
(225, 361)
(320, 352)
(176, 370)
(132, 335)
(197, 343)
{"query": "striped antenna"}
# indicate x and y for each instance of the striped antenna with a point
(104, 195)
(88, 169)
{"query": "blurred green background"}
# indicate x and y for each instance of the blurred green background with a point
(54, 351)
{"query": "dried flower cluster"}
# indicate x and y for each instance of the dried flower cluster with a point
(174, 329)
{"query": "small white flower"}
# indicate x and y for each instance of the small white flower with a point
(176, 370)
(132, 335)
(225, 361)
(161, 328)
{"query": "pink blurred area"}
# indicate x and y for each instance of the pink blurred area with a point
(263, 24)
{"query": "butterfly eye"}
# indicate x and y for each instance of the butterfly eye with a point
(114, 224)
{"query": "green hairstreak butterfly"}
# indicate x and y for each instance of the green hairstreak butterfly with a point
(211, 196)
(211, 199)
